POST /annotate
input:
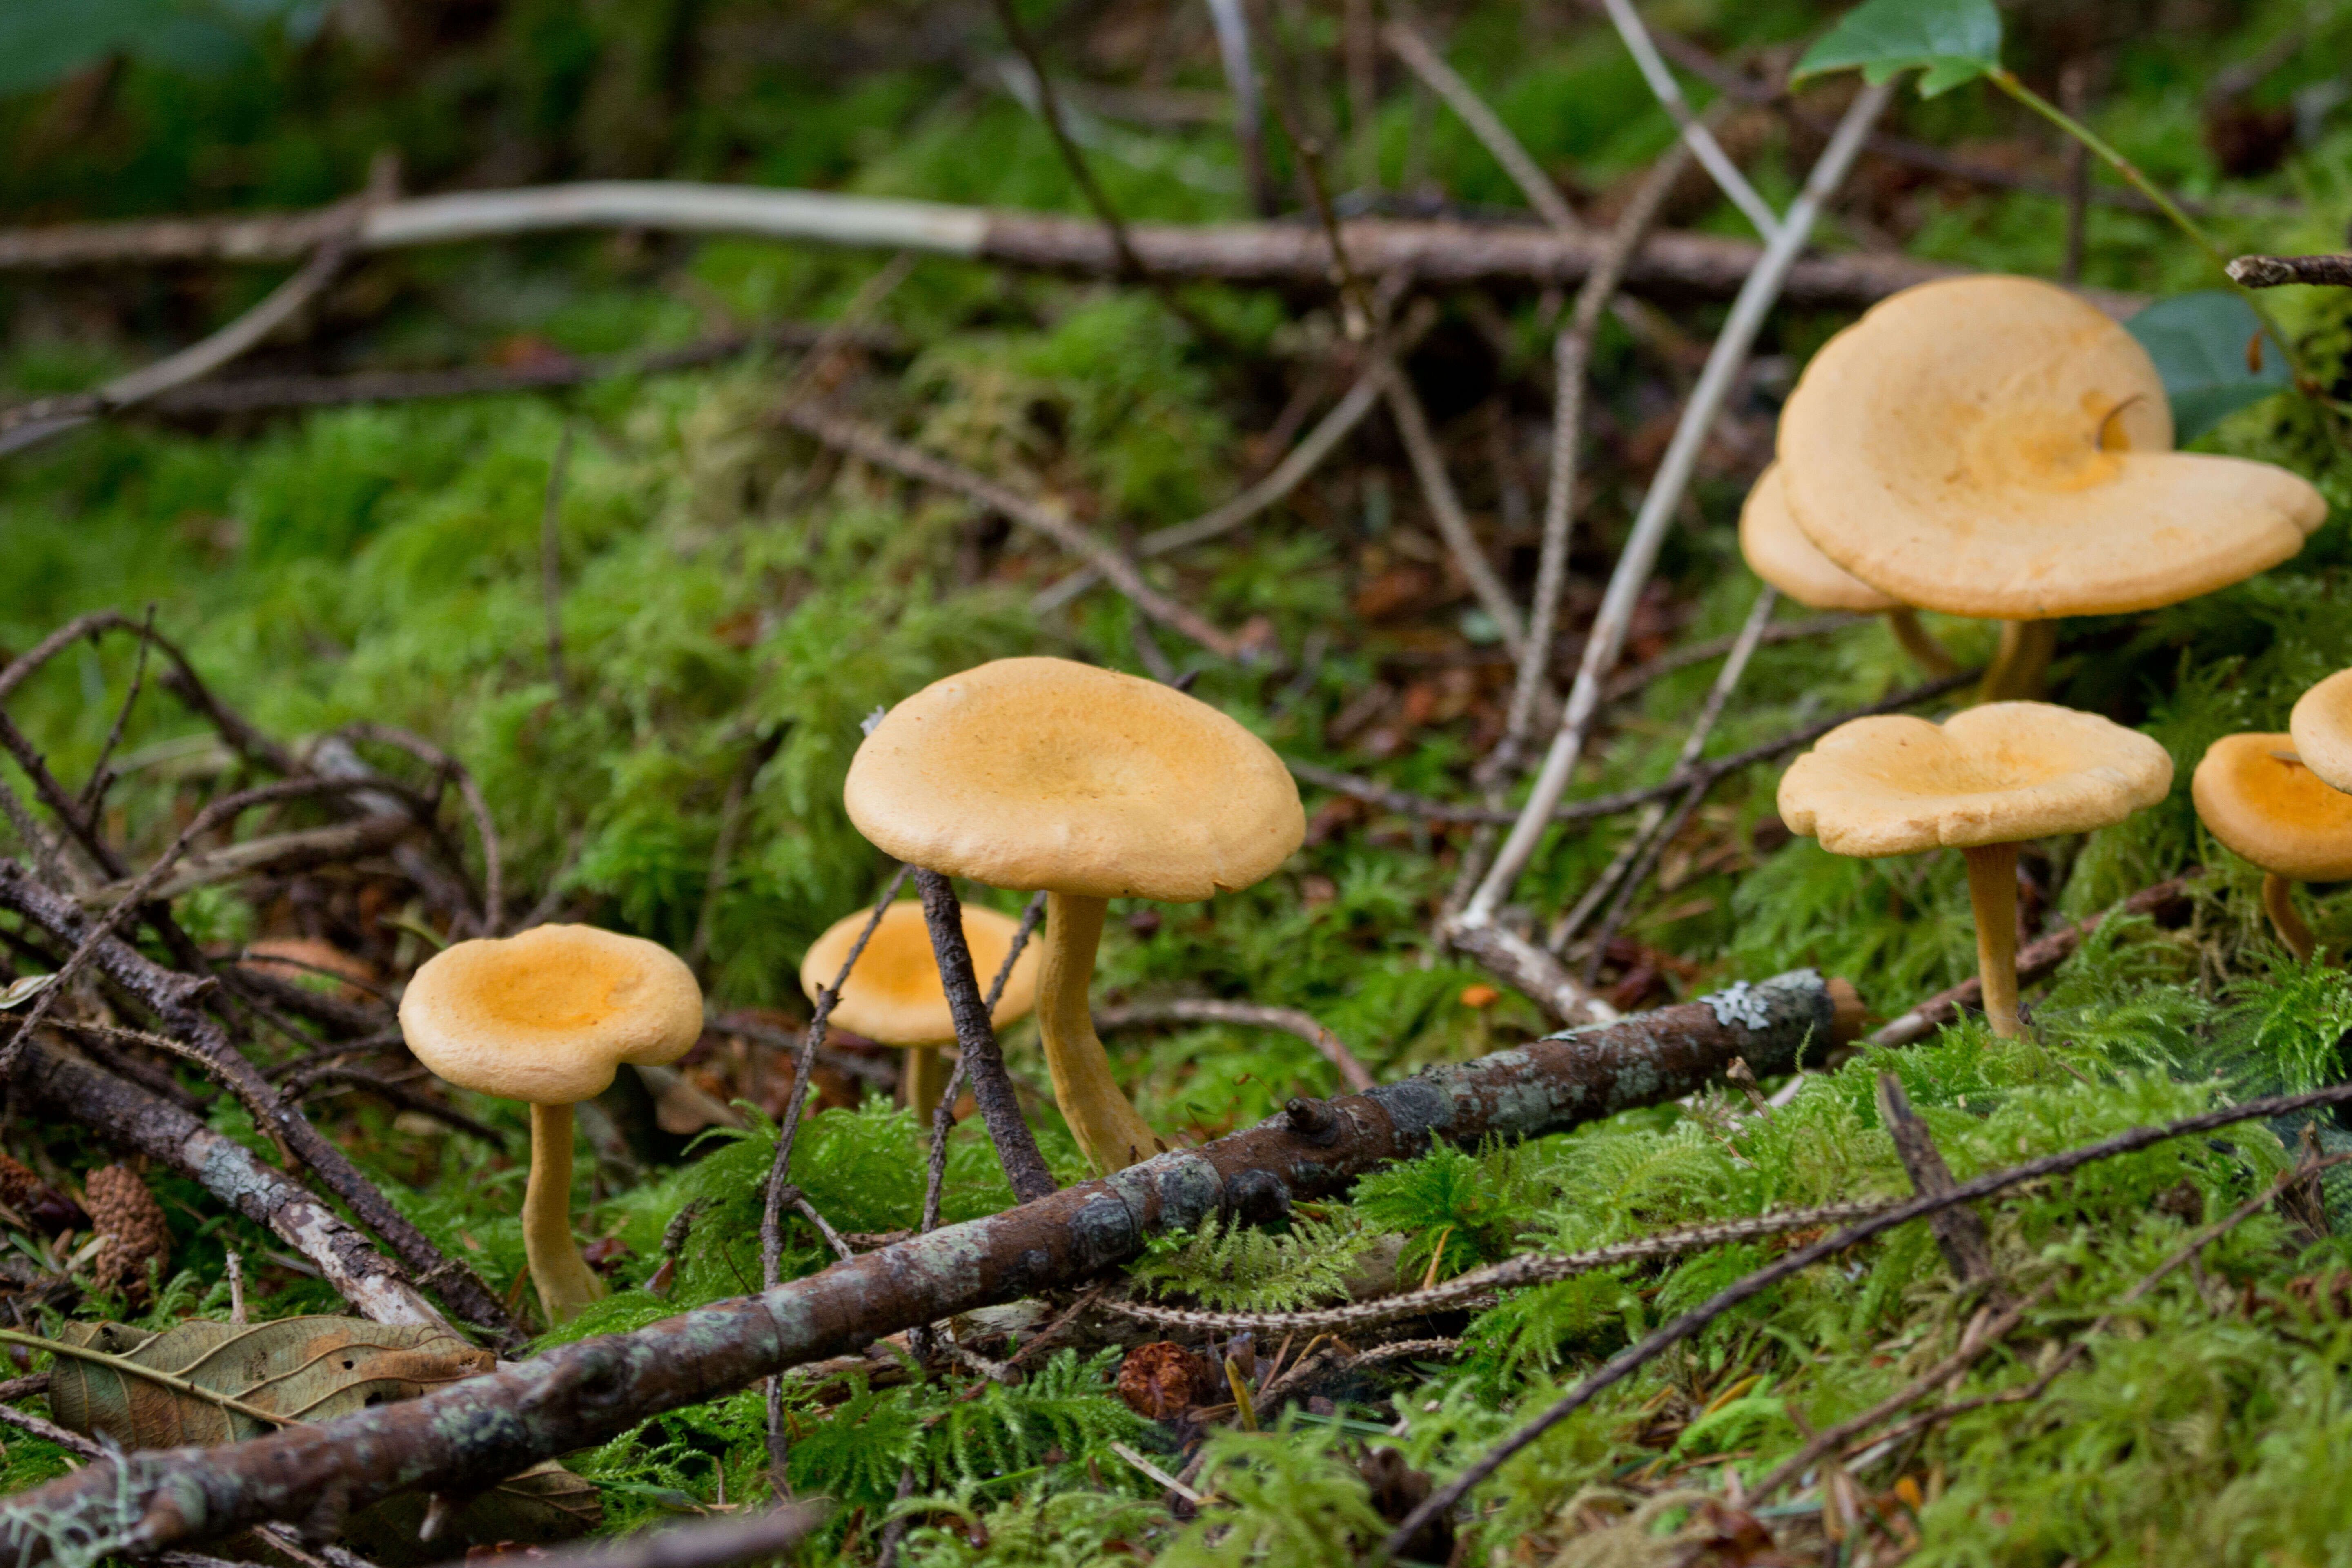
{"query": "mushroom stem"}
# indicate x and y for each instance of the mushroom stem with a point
(1934, 659)
(2017, 670)
(1993, 895)
(2278, 898)
(1106, 1126)
(565, 1282)
(923, 1077)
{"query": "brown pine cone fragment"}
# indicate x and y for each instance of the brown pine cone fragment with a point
(126, 1214)
(39, 1202)
(1163, 1380)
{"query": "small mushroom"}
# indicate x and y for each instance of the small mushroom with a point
(2275, 812)
(894, 997)
(1778, 552)
(548, 1017)
(1044, 774)
(2321, 726)
(1998, 447)
(1983, 782)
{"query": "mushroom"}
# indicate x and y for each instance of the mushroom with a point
(1042, 774)
(548, 1017)
(2321, 728)
(1998, 447)
(2254, 795)
(894, 997)
(1778, 552)
(1982, 781)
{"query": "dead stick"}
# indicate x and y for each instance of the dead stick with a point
(859, 440)
(140, 1123)
(1252, 1015)
(176, 1001)
(1960, 1232)
(2274, 271)
(583, 1392)
(976, 1047)
(1625, 1361)
(1438, 254)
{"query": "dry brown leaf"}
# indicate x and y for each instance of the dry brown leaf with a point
(303, 1368)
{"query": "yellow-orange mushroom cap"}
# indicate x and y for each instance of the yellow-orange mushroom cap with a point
(1998, 447)
(1998, 773)
(1778, 552)
(893, 996)
(549, 1015)
(2321, 727)
(2276, 814)
(1043, 773)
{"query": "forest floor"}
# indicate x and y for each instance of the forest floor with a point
(646, 612)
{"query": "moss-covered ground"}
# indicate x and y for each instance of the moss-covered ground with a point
(734, 600)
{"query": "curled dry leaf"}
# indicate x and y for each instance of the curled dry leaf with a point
(304, 1369)
(310, 1368)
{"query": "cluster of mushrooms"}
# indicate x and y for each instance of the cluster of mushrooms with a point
(1986, 446)
(1998, 449)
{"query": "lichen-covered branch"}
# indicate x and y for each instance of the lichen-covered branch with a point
(585, 1392)
(133, 1120)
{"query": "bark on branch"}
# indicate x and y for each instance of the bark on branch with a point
(586, 1392)
(1437, 254)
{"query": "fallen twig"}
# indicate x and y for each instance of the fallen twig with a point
(1694, 133)
(176, 1000)
(1658, 828)
(1445, 509)
(1410, 804)
(849, 436)
(1572, 353)
(943, 1117)
(584, 1392)
(977, 1054)
(1438, 254)
(2274, 271)
(279, 852)
(29, 424)
(1625, 1363)
(1254, 1015)
(705, 1543)
(1611, 625)
(1493, 134)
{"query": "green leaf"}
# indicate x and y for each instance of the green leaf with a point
(41, 45)
(1953, 41)
(2202, 344)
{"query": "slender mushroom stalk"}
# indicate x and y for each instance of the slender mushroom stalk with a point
(1087, 785)
(1101, 1117)
(2278, 902)
(1778, 552)
(1934, 659)
(566, 1283)
(2016, 672)
(1983, 782)
(1992, 900)
(2255, 793)
(548, 1017)
(894, 996)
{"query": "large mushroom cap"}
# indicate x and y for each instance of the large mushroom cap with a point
(1043, 773)
(2321, 728)
(893, 996)
(1996, 447)
(1997, 773)
(1778, 552)
(2273, 812)
(550, 1015)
